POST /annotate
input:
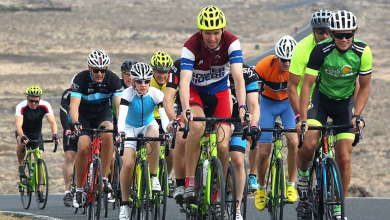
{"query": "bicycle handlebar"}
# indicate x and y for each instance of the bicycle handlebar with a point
(144, 139)
(302, 136)
(41, 141)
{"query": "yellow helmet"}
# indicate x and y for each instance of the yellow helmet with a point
(211, 18)
(34, 91)
(161, 61)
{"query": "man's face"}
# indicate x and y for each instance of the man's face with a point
(33, 101)
(284, 64)
(126, 78)
(320, 34)
(98, 73)
(161, 76)
(212, 38)
(343, 39)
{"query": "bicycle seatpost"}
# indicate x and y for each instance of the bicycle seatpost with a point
(187, 126)
(303, 129)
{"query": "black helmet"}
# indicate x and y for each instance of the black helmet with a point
(126, 66)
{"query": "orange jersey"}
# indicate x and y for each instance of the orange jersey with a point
(273, 78)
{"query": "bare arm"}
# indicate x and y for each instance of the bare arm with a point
(169, 96)
(254, 107)
(185, 79)
(74, 108)
(18, 124)
(239, 83)
(305, 96)
(292, 91)
(52, 121)
(357, 86)
(117, 100)
(362, 94)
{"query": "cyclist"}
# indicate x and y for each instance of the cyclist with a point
(274, 72)
(206, 59)
(337, 62)
(320, 32)
(70, 149)
(28, 122)
(237, 145)
(161, 63)
(136, 117)
(90, 108)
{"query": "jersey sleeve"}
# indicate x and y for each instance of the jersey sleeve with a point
(64, 109)
(158, 96)
(297, 64)
(77, 86)
(251, 79)
(116, 85)
(174, 75)
(315, 61)
(366, 62)
(235, 52)
(18, 110)
(47, 106)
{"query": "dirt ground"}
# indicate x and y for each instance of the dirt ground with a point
(47, 48)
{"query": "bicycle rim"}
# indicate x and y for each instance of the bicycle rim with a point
(245, 195)
(24, 187)
(230, 189)
(278, 194)
(160, 198)
(216, 208)
(334, 193)
(97, 189)
(144, 195)
(42, 184)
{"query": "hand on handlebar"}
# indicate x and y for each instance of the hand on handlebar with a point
(183, 116)
(77, 128)
(255, 132)
(24, 140)
(119, 136)
(55, 138)
(357, 123)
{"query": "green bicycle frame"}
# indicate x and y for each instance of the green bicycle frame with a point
(142, 156)
(34, 176)
(212, 140)
(277, 154)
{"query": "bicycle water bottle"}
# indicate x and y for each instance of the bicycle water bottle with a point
(205, 170)
(90, 170)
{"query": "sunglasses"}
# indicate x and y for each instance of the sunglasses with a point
(284, 60)
(126, 74)
(33, 101)
(321, 31)
(142, 81)
(343, 35)
(99, 70)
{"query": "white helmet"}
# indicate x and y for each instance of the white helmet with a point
(284, 47)
(98, 59)
(141, 71)
(320, 19)
(343, 21)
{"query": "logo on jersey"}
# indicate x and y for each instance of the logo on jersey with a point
(344, 71)
(248, 71)
(217, 57)
(75, 87)
(200, 62)
(310, 106)
(215, 73)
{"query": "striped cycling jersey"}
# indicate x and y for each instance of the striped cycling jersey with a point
(210, 68)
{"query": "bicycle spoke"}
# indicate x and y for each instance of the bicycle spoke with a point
(24, 187)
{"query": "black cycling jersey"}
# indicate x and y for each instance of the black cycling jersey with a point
(64, 110)
(174, 79)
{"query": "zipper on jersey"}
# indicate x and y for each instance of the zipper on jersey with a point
(142, 111)
(280, 87)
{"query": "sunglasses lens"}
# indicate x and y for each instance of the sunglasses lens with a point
(284, 60)
(343, 35)
(33, 101)
(320, 31)
(99, 70)
(142, 81)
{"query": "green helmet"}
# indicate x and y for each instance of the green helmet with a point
(34, 91)
(161, 61)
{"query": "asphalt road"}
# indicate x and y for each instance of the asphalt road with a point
(356, 209)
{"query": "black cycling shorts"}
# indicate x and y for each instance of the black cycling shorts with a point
(236, 143)
(32, 146)
(93, 120)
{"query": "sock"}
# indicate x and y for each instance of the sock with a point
(125, 203)
(180, 182)
(104, 178)
(79, 189)
(303, 173)
(67, 191)
(190, 181)
(254, 175)
(153, 175)
(291, 184)
(262, 187)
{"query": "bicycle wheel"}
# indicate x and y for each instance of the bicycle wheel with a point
(116, 182)
(96, 190)
(216, 208)
(278, 188)
(160, 198)
(231, 194)
(105, 204)
(24, 186)
(333, 189)
(315, 192)
(133, 198)
(41, 184)
(73, 187)
(245, 195)
(144, 193)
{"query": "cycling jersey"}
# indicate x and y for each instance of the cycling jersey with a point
(113, 108)
(273, 77)
(153, 83)
(210, 67)
(339, 69)
(32, 118)
(174, 79)
(139, 108)
(95, 96)
(66, 122)
(300, 57)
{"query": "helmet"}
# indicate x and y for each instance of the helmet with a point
(320, 19)
(161, 61)
(126, 66)
(211, 18)
(34, 91)
(285, 46)
(141, 71)
(98, 59)
(343, 21)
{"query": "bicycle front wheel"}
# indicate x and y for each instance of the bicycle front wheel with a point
(144, 193)
(231, 194)
(24, 187)
(278, 188)
(41, 184)
(116, 181)
(160, 198)
(217, 194)
(245, 195)
(333, 191)
(96, 190)
(315, 190)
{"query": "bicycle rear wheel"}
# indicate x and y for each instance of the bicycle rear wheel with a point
(144, 193)
(24, 187)
(278, 186)
(116, 182)
(315, 190)
(73, 188)
(217, 194)
(245, 195)
(333, 190)
(41, 184)
(96, 190)
(160, 198)
(231, 194)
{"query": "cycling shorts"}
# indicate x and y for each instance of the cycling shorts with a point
(94, 120)
(341, 111)
(32, 146)
(160, 129)
(134, 132)
(270, 110)
(236, 143)
(72, 142)
(217, 105)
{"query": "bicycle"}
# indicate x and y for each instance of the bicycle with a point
(325, 184)
(92, 181)
(116, 187)
(141, 196)
(36, 178)
(203, 204)
(276, 179)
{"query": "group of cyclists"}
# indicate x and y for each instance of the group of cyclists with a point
(327, 74)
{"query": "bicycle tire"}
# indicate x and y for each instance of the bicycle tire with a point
(334, 189)
(216, 209)
(41, 185)
(230, 186)
(160, 198)
(105, 204)
(277, 204)
(314, 191)
(144, 195)
(133, 196)
(116, 181)
(96, 190)
(244, 201)
(73, 188)
(24, 186)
